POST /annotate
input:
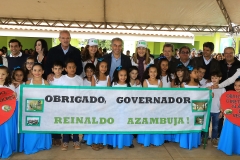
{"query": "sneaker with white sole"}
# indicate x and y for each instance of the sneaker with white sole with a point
(76, 145)
(215, 142)
(65, 146)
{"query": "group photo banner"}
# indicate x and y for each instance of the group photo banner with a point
(107, 110)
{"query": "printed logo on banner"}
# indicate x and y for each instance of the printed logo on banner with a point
(199, 105)
(230, 104)
(7, 104)
(199, 120)
(34, 105)
(33, 120)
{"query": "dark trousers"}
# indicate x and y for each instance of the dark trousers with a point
(66, 138)
(220, 125)
(56, 136)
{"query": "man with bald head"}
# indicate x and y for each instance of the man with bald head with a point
(63, 52)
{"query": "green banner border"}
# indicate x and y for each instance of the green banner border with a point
(115, 88)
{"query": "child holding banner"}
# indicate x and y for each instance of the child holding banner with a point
(100, 79)
(189, 140)
(167, 82)
(229, 140)
(120, 140)
(8, 130)
(33, 142)
(57, 69)
(152, 81)
(71, 79)
(215, 114)
(18, 78)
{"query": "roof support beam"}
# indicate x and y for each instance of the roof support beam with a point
(225, 14)
(111, 25)
(104, 13)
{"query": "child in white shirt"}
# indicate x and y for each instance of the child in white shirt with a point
(215, 110)
(71, 79)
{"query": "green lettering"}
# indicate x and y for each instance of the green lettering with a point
(145, 121)
(66, 120)
(110, 120)
(57, 120)
(103, 120)
(130, 121)
(175, 121)
(94, 120)
(162, 120)
(79, 120)
(72, 119)
(87, 120)
(169, 120)
(137, 120)
(180, 120)
(153, 120)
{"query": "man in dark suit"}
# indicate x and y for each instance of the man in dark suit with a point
(168, 53)
(184, 56)
(63, 52)
(116, 58)
(207, 60)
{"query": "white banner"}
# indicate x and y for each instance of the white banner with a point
(62, 109)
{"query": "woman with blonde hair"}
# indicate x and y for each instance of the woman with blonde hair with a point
(142, 58)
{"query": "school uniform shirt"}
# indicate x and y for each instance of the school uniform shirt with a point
(86, 82)
(216, 98)
(57, 81)
(119, 85)
(203, 83)
(166, 82)
(135, 85)
(84, 64)
(72, 81)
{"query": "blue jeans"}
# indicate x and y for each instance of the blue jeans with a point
(66, 138)
(215, 120)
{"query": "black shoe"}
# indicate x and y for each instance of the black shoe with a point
(110, 147)
(166, 141)
(132, 146)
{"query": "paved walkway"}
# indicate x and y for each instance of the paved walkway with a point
(168, 151)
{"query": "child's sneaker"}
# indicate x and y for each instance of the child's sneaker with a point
(215, 142)
(95, 147)
(76, 145)
(65, 146)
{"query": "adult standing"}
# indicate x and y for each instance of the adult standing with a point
(63, 52)
(142, 58)
(41, 50)
(168, 53)
(207, 60)
(116, 58)
(90, 54)
(229, 66)
(184, 56)
(16, 57)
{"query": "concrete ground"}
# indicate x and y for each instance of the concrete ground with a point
(168, 151)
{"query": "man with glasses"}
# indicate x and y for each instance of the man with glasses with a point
(16, 57)
(184, 56)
